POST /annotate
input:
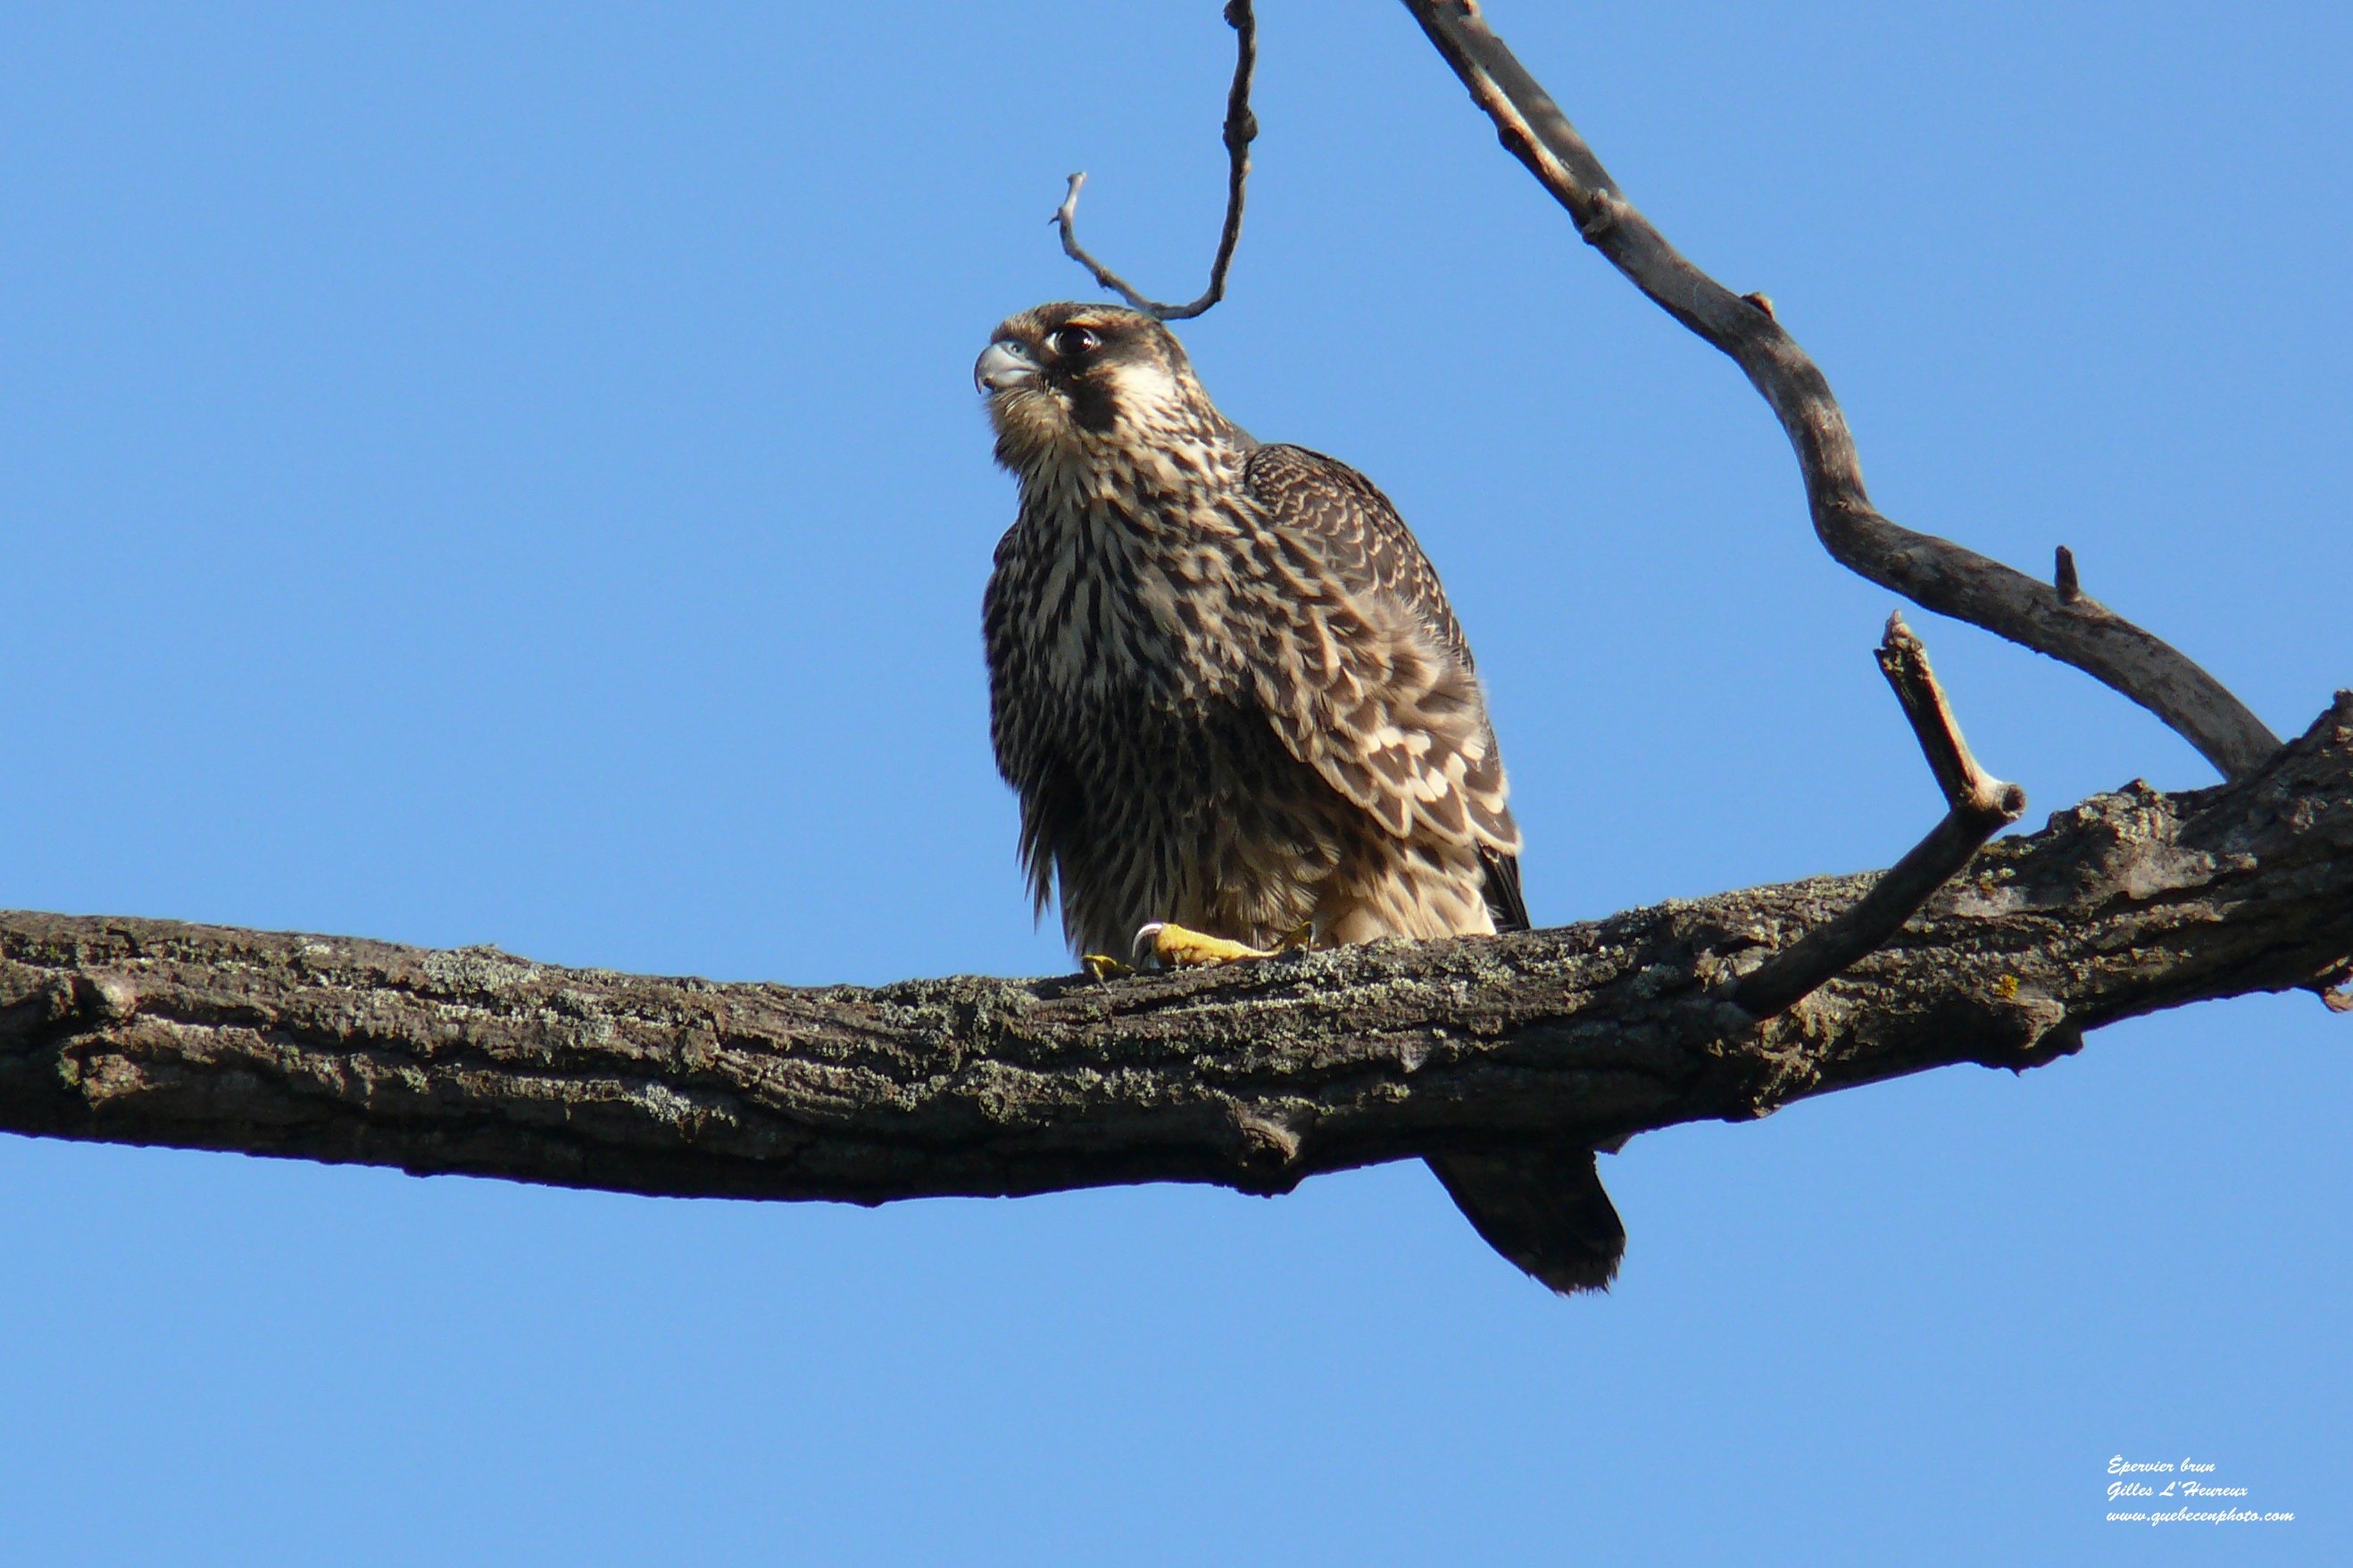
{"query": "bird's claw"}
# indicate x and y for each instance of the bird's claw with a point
(1171, 946)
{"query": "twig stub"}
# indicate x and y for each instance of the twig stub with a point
(1904, 662)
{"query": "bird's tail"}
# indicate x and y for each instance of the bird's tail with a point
(1542, 1209)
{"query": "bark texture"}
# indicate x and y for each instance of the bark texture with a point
(1254, 1077)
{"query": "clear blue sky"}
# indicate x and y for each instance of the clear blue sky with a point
(504, 473)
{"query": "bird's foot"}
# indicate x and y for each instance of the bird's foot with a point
(1104, 967)
(1172, 946)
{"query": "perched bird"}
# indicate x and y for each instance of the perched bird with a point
(1236, 709)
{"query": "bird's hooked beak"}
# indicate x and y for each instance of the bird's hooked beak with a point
(1002, 364)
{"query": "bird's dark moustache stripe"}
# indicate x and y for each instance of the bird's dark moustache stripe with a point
(1093, 407)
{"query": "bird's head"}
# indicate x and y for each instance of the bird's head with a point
(1068, 382)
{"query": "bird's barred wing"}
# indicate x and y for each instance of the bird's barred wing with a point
(1358, 535)
(1371, 683)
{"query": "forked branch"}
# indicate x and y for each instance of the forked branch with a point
(1977, 805)
(1934, 572)
(1241, 129)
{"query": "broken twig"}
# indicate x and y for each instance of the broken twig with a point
(1977, 806)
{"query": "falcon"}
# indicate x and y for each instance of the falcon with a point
(1239, 713)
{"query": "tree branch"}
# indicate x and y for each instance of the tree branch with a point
(1977, 806)
(1255, 1075)
(1241, 129)
(1934, 573)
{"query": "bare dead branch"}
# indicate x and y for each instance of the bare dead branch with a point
(2070, 587)
(1255, 1075)
(1241, 129)
(1934, 572)
(1967, 786)
(1977, 806)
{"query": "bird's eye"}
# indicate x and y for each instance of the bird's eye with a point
(1072, 343)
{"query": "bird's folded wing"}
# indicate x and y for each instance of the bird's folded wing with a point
(1368, 679)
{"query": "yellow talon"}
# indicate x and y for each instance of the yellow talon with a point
(1178, 948)
(1104, 967)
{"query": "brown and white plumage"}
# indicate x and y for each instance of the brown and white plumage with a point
(1224, 678)
(1225, 681)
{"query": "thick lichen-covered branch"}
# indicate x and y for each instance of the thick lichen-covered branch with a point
(1255, 1075)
